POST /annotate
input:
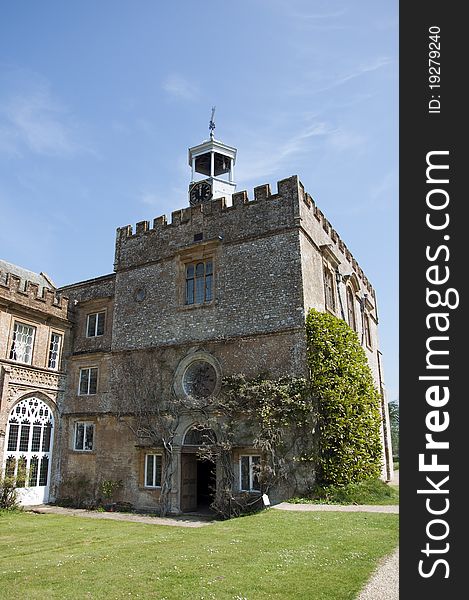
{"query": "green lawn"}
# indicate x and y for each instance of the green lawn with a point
(274, 554)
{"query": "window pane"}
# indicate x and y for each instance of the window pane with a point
(157, 470)
(21, 473)
(89, 431)
(190, 272)
(208, 288)
(100, 324)
(54, 349)
(245, 472)
(149, 470)
(10, 466)
(199, 270)
(84, 378)
(208, 267)
(13, 437)
(44, 470)
(22, 345)
(91, 331)
(190, 291)
(93, 381)
(79, 436)
(36, 438)
(24, 437)
(33, 471)
(46, 438)
(199, 290)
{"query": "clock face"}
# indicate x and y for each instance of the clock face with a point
(200, 192)
(200, 379)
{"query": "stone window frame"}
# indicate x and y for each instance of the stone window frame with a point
(88, 368)
(199, 294)
(330, 267)
(87, 425)
(367, 330)
(154, 455)
(350, 297)
(96, 326)
(184, 364)
(329, 289)
(194, 254)
(58, 359)
(11, 346)
(250, 456)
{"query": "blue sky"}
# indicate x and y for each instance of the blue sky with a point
(99, 102)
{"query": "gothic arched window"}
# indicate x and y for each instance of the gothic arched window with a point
(351, 309)
(199, 282)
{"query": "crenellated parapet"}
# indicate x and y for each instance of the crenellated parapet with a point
(289, 207)
(14, 289)
(334, 238)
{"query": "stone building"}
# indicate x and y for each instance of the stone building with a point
(34, 330)
(221, 289)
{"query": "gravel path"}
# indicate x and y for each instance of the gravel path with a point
(384, 584)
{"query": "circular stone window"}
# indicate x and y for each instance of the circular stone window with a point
(198, 376)
(199, 379)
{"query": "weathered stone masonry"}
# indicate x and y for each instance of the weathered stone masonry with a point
(269, 256)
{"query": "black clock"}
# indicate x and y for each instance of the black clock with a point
(201, 191)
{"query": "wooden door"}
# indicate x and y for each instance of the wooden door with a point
(188, 482)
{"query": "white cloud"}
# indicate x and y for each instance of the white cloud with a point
(179, 87)
(33, 120)
(273, 154)
(317, 82)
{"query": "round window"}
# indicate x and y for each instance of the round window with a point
(199, 379)
(140, 295)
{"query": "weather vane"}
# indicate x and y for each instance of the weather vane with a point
(211, 125)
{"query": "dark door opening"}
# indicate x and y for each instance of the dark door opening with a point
(198, 482)
(206, 482)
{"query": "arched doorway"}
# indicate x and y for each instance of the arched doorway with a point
(28, 451)
(198, 474)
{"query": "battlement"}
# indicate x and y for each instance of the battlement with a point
(291, 206)
(27, 293)
(286, 189)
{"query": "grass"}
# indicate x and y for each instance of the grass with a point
(371, 491)
(271, 555)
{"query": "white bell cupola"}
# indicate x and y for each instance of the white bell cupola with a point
(212, 163)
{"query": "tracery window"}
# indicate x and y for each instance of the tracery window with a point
(22, 343)
(199, 282)
(29, 442)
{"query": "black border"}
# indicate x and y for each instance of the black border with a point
(422, 132)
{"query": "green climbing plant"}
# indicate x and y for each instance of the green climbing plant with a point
(348, 425)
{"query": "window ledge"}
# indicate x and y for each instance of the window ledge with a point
(195, 306)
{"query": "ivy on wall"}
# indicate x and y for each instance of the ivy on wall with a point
(348, 427)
